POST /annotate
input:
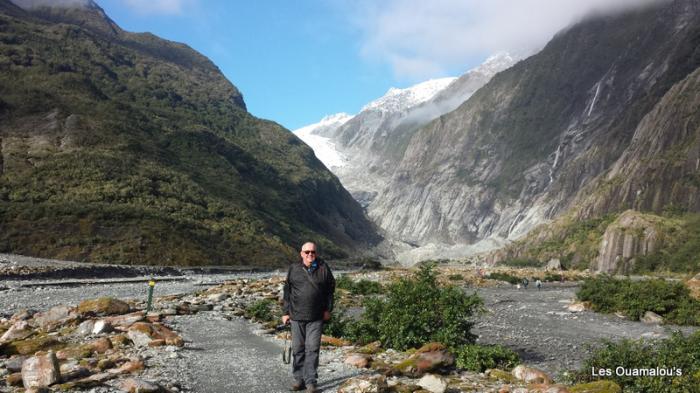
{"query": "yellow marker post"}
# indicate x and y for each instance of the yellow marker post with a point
(151, 284)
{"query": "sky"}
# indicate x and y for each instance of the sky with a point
(298, 61)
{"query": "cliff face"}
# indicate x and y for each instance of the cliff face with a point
(127, 148)
(603, 119)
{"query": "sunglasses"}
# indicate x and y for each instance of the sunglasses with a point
(308, 252)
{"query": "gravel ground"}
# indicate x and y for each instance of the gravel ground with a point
(537, 325)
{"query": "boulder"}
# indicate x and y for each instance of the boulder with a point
(632, 234)
(140, 334)
(72, 370)
(103, 306)
(40, 371)
(30, 345)
(101, 326)
(217, 297)
(85, 327)
(55, 316)
(433, 383)
(652, 318)
(14, 364)
(14, 379)
(101, 345)
(554, 264)
(576, 307)
(365, 384)
(429, 357)
(123, 322)
(133, 385)
(358, 360)
(18, 331)
(531, 375)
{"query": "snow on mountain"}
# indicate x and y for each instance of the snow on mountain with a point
(401, 99)
(313, 135)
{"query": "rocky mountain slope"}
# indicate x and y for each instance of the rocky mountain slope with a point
(603, 119)
(372, 142)
(128, 148)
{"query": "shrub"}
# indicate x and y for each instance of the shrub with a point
(479, 358)
(337, 326)
(678, 352)
(417, 310)
(361, 287)
(455, 277)
(261, 310)
(503, 277)
(633, 298)
(522, 263)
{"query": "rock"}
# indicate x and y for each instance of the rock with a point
(694, 286)
(632, 234)
(103, 306)
(119, 340)
(18, 331)
(14, 364)
(154, 317)
(75, 352)
(365, 384)
(40, 371)
(131, 366)
(125, 321)
(651, 317)
(371, 348)
(101, 326)
(358, 360)
(333, 341)
(140, 335)
(602, 386)
(101, 345)
(500, 375)
(531, 375)
(217, 297)
(72, 370)
(429, 357)
(433, 383)
(55, 316)
(85, 327)
(30, 345)
(14, 379)
(554, 264)
(576, 307)
(21, 315)
(132, 385)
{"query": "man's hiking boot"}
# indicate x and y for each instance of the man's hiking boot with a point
(312, 388)
(297, 386)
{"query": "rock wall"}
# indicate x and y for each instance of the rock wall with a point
(631, 235)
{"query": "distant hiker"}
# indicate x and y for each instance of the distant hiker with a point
(538, 284)
(525, 282)
(308, 302)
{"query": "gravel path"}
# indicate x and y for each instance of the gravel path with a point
(230, 356)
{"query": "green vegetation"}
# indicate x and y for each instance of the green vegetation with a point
(417, 310)
(524, 262)
(126, 148)
(360, 287)
(681, 248)
(679, 352)
(262, 310)
(455, 277)
(671, 300)
(479, 358)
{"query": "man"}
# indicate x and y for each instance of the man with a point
(308, 302)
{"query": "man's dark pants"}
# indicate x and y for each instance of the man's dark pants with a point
(306, 344)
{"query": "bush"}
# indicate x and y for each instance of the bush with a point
(675, 353)
(503, 277)
(633, 298)
(417, 310)
(361, 287)
(455, 277)
(261, 310)
(479, 358)
(337, 326)
(522, 263)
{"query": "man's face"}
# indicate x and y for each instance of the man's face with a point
(308, 253)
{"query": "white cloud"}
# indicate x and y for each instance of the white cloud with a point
(166, 7)
(421, 39)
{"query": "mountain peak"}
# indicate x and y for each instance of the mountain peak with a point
(34, 4)
(399, 99)
(84, 13)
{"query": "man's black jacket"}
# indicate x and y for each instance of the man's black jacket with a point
(304, 300)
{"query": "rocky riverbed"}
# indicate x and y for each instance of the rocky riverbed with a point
(220, 350)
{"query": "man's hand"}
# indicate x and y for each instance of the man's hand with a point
(326, 315)
(285, 319)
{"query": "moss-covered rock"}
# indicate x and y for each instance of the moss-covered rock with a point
(31, 345)
(501, 375)
(603, 386)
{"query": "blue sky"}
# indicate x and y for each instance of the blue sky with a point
(298, 60)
